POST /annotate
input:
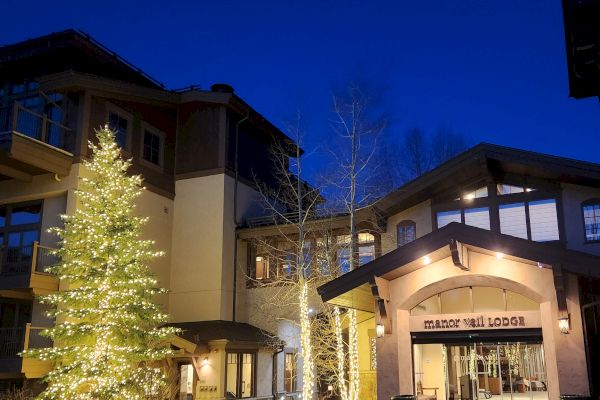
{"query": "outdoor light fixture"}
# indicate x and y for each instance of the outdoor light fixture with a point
(205, 361)
(380, 330)
(564, 324)
(330, 388)
(499, 256)
(426, 260)
(540, 265)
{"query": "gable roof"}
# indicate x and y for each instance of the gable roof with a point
(483, 160)
(396, 262)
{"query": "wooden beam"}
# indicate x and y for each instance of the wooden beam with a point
(15, 173)
(559, 286)
(17, 294)
(456, 251)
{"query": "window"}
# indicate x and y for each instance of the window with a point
(406, 232)
(477, 193)
(120, 124)
(239, 375)
(262, 267)
(543, 220)
(152, 147)
(478, 217)
(591, 219)
(366, 250)
(19, 229)
(291, 372)
(445, 217)
(513, 220)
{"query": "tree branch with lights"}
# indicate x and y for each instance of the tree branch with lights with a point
(108, 337)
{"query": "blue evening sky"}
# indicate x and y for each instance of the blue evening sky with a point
(494, 70)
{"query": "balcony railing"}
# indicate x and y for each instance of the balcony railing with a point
(15, 340)
(17, 118)
(19, 260)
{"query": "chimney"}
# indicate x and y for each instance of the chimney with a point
(221, 88)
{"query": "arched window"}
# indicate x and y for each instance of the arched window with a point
(591, 219)
(406, 231)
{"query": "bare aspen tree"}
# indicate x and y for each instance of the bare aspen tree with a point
(358, 183)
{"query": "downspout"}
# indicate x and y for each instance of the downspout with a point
(235, 221)
(275, 368)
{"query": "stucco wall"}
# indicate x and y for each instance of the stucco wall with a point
(420, 214)
(565, 359)
(573, 196)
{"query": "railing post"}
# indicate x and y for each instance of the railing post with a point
(15, 116)
(34, 257)
(26, 339)
(44, 127)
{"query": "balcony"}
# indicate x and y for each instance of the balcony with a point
(15, 340)
(31, 144)
(24, 267)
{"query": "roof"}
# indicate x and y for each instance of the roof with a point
(75, 50)
(481, 161)
(397, 262)
(200, 332)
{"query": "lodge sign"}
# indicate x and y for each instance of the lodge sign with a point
(474, 321)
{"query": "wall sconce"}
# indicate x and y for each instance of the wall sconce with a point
(380, 330)
(205, 361)
(564, 324)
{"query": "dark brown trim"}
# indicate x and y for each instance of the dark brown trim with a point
(572, 261)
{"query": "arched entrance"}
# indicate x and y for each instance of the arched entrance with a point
(475, 342)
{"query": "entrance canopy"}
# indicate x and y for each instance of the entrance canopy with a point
(357, 288)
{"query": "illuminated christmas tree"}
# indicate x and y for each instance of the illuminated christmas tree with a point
(107, 338)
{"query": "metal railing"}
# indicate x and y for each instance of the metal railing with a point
(19, 260)
(17, 118)
(11, 341)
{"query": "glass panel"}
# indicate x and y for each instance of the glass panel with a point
(487, 299)
(30, 214)
(151, 151)
(366, 254)
(364, 237)
(406, 232)
(2, 217)
(119, 125)
(247, 385)
(344, 260)
(232, 369)
(262, 266)
(445, 217)
(290, 372)
(591, 217)
(456, 301)
(478, 217)
(543, 219)
(186, 385)
(476, 194)
(508, 189)
(512, 220)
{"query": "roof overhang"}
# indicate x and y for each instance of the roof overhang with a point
(358, 289)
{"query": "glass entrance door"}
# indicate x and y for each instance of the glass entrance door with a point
(501, 370)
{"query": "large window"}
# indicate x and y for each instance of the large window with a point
(406, 232)
(511, 209)
(591, 219)
(366, 250)
(240, 375)
(19, 229)
(291, 372)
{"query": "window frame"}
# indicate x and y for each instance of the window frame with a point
(294, 355)
(405, 224)
(239, 366)
(161, 152)
(9, 228)
(114, 109)
(589, 202)
(533, 191)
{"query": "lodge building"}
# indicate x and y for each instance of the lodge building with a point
(488, 283)
(477, 279)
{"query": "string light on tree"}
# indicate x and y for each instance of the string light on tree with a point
(107, 338)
